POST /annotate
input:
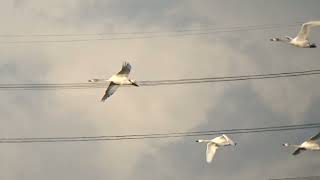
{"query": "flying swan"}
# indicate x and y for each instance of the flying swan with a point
(310, 144)
(214, 144)
(302, 39)
(117, 80)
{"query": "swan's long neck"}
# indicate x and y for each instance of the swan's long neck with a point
(203, 140)
(289, 38)
(292, 145)
(99, 80)
(286, 39)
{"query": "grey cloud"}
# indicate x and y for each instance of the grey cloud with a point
(255, 156)
(156, 109)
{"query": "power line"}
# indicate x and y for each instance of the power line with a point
(56, 86)
(160, 135)
(232, 78)
(142, 35)
(174, 133)
(153, 32)
(300, 178)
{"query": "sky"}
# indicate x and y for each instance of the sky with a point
(159, 109)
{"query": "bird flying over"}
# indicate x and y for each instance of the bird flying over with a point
(214, 144)
(302, 39)
(309, 144)
(117, 80)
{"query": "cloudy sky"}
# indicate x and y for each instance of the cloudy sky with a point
(156, 109)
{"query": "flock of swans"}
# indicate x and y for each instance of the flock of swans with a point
(224, 140)
(301, 41)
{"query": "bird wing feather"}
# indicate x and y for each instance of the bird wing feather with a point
(110, 90)
(297, 151)
(228, 140)
(211, 151)
(126, 67)
(315, 137)
(305, 30)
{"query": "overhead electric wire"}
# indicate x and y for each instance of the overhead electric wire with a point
(160, 135)
(149, 35)
(300, 178)
(231, 78)
(56, 86)
(205, 28)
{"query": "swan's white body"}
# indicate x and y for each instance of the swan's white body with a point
(310, 144)
(214, 144)
(119, 79)
(302, 39)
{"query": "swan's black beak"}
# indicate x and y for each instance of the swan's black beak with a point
(135, 84)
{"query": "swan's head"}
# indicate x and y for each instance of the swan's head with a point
(93, 80)
(285, 144)
(134, 82)
(312, 45)
(274, 39)
(200, 140)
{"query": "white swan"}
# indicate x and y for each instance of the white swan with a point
(214, 144)
(121, 78)
(310, 144)
(302, 39)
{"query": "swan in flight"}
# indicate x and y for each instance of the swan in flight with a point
(310, 144)
(119, 79)
(302, 39)
(214, 144)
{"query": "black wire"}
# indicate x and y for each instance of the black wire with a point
(152, 32)
(159, 136)
(138, 37)
(56, 86)
(171, 133)
(301, 178)
(243, 76)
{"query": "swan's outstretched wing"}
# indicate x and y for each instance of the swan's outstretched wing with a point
(228, 140)
(305, 30)
(126, 67)
(315, 137)
(111, 89)
(297, 151)
(223, 140)
(211, 151)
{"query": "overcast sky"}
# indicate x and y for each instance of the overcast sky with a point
(156, 109)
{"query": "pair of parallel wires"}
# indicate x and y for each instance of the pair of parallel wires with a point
(147, 35)
(136, 35)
